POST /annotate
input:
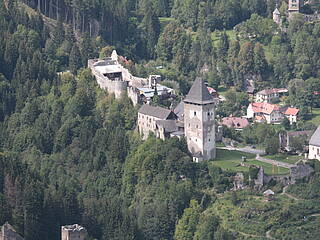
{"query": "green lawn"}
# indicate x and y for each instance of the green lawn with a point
(230, 160)
(164, 21)
(222, 90)
(269, 169)
(252, 217)
(315, 116)
(226, 155)
(215, 36)
(285, 158)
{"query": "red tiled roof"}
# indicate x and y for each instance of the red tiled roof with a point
(291, 111)
(235, 122)
(211, 90)
(264, 107)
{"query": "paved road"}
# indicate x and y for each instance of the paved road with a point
(278, 163)
(245, 149)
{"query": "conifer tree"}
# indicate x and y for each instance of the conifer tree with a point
(74, 59)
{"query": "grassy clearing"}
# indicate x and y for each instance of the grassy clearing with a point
(284, 158)
(215, 36)
(269, 169)
(230, 160)
(222, 90)
(315, 116)
(252, 217)
(164, 21)
(227, 155)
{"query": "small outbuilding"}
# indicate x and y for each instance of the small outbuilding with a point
(269, 195)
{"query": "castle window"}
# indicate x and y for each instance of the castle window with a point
(209, 139)
(208, 113)
(195, 113)
(189, 125)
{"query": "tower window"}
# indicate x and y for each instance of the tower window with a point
(195, 113)
(208, 113)
(209, 139)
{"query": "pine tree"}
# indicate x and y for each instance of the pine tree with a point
(74, 59)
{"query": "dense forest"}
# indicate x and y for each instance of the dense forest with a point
(68, 150)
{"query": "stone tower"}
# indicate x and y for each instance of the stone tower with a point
(73, 232)
(199, 122)
(277, 16)
(295, 6)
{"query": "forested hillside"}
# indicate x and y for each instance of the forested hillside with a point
(68, 150)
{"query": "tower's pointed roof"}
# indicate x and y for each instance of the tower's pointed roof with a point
(199, 93)
(276, 11)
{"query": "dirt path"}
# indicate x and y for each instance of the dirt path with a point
(268, 235)
(284, 192)
(274, 162)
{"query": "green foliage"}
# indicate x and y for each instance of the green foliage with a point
(186, 226)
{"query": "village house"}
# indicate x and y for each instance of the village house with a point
(264, 112)
(270, 95)
(291, 113)
(271, 113)
(238, 123)
(314, 145)
(194, 118)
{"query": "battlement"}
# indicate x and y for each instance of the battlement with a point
(73, 232)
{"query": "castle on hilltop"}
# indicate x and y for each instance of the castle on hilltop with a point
(294, 7)
(117, 80)
(193, 118)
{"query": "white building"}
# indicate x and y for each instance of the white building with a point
(314, 145)
(269, 95)
(264, 112)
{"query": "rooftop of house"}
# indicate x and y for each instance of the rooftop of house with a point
(263, 107)
(300, 133)
(179, 110)
(199, 93)
(315, 139)
(157, 112)
(211, 90)
(149, 92)
(291, 111)
(168, 125)
(235, 122)
(272, 91)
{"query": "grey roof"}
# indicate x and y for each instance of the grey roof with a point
(179, 110)
(168, 125)
(199, 93)
(315, 139)
(157, 112)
